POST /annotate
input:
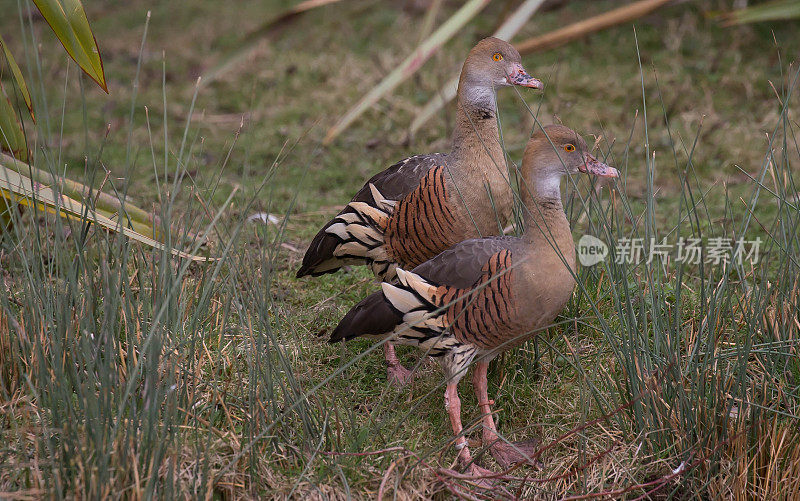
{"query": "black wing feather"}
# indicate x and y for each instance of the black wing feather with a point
(372, 316)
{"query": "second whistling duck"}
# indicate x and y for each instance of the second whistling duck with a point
(486, 295)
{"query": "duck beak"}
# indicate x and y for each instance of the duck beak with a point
(518, 76)
(597, 168)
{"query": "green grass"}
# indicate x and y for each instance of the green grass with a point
(127, 373)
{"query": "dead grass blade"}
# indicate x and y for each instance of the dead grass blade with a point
(22, 190)
(583, 28)
(251, 40)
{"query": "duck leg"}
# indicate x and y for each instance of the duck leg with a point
(453, 405)
(397, 374)
(504, 453)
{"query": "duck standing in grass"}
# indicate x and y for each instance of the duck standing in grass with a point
(486, 295)
(424, 204)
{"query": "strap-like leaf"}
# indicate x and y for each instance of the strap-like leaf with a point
(23, 87)
(68, 21)
(777, 10)
(21, 189)
(106, 203)
(12, 135)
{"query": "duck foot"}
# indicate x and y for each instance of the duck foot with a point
(508, 455)
(481, 476)
(474, 474)
(398, 375)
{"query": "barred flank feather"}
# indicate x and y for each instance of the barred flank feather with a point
(424, 325)
(360, 237)
(424, 224)
(449, 323)
(481, 315)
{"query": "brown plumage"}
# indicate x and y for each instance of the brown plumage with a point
(423, 224)
(485, 295)
(481, 315)
(408, 199)
(424, 204)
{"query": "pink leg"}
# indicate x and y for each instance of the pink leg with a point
(505, 454)
(453, 405)
(398, 375)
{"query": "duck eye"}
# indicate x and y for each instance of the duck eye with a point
(569, 148)
(497, 56)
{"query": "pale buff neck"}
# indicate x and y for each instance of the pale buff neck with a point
(476, 139)
(543, 216)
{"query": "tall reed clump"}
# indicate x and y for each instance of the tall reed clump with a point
(703, 352)
(126, 371)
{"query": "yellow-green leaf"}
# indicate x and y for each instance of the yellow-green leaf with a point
(12, 135)
(68, 21)
(23, 87)
(777, 10)
(22, 190)
(105, 203)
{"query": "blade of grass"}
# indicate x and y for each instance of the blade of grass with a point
(21, 85)
(68, 21)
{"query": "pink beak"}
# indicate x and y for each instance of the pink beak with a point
(518, 76)
(597, 168)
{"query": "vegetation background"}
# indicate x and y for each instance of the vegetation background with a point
(127, 373)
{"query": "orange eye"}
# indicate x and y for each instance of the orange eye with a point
(569, 148)
(497, 56)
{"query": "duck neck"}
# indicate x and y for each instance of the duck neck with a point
(476, 136)
(544, 217)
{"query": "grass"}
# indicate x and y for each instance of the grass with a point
(127, 373)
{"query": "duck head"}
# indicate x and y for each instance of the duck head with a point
(495, 63)
(554, 152)
(559, 150)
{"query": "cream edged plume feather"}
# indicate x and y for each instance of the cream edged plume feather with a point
(415, 298)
